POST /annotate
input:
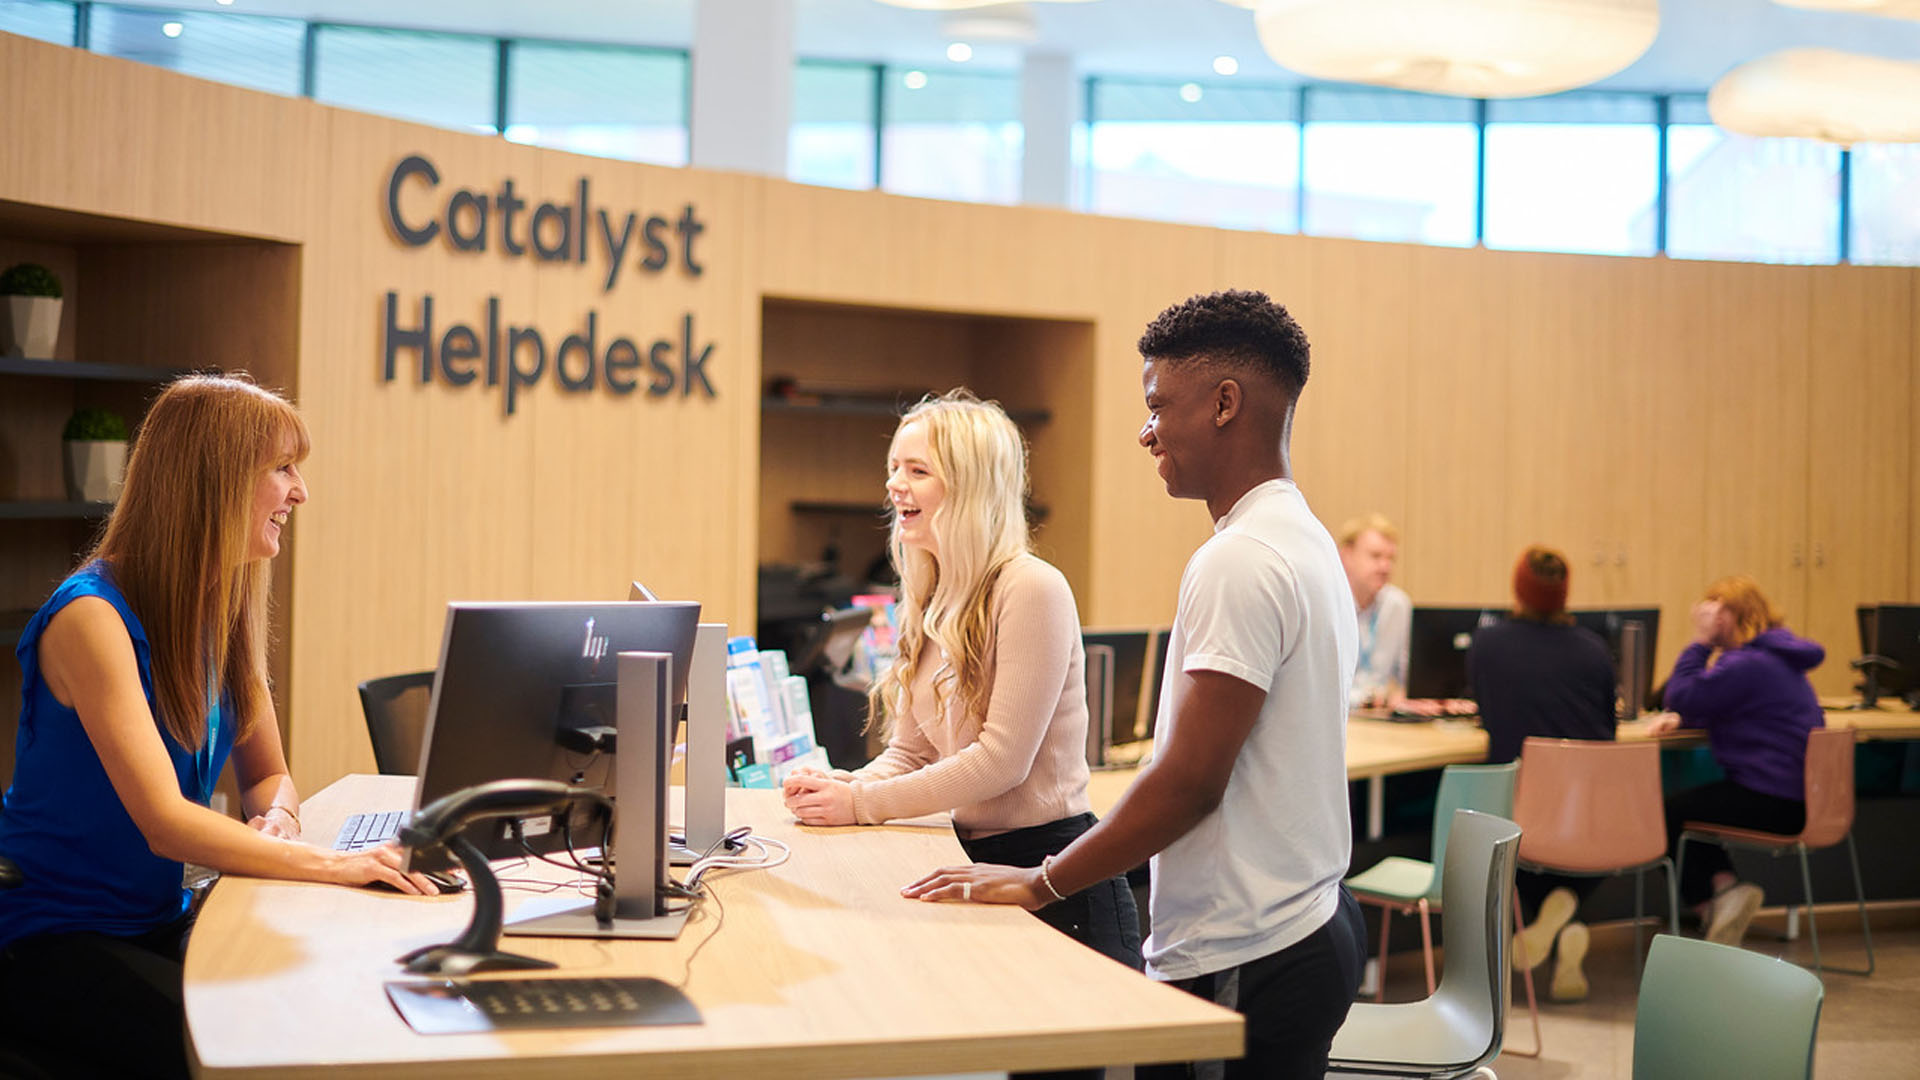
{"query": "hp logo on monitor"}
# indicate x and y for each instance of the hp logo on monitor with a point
(595, 646)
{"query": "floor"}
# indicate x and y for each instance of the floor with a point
(1869, 1027)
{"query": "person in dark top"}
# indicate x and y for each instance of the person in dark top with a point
(1536, 673)
(1744, 681)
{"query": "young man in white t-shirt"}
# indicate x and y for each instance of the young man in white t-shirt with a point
(1244, 808)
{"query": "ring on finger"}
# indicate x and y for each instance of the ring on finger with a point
(966, 891)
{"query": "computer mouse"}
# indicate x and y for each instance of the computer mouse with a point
(446, 880)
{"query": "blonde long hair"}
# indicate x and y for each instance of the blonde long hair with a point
(1753, 614)
(980, 527)
(178, 542)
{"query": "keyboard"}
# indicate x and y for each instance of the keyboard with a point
(362, 831)
(468, 1006)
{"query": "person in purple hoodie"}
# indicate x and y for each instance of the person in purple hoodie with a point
(1744, 682)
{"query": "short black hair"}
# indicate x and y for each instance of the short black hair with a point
(1236, 328)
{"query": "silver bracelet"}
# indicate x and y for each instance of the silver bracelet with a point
(1047, 879)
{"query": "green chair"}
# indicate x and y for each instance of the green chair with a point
(1457, 1030)
(1712, 1010)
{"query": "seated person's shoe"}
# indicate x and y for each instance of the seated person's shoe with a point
(1532, 943)
(1569, 981)
(1730, 912)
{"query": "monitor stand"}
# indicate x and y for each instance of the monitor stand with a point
(644, 713)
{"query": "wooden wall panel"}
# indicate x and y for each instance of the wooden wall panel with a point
(1671, 420)
(1860, 347)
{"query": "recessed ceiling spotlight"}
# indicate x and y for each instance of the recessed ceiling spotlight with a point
(224, 3)
(1190, 92)
(916, 80)
(959, 52)
(1226, 65)
(171, 29)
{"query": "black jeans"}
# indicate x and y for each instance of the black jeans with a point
(1724, 803)
(91, 1005)
(1294, 1001)
(1101, 916)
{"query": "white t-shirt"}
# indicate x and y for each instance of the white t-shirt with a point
(1386, 626)
(1266, 601)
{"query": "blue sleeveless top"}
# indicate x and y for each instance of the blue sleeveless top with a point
(87, 865)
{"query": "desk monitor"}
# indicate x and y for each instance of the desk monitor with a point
(513, 676)
(1131, 652)
(1608, 623)
(1437, 649)
(1895, 634)
(1156, 681)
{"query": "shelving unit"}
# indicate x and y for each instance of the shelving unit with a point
(53, 510)
(875, 405)
(82, 369)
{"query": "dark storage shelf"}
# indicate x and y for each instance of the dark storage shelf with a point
(45, 510)
(872, 510)
(80, 369)
(874, 406)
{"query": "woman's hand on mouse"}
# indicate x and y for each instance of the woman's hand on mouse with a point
(380, 865)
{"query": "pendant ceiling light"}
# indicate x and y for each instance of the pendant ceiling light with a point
(1892, 9)
(1820, 94)
(1471, 48)
(957, 5)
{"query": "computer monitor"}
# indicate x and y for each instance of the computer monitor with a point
(1437, 649)
(1156, 681)
(1131, 652)
(1893, 631)
(1608, 623)
(513, 676)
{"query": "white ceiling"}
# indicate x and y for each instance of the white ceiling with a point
(1177, 39)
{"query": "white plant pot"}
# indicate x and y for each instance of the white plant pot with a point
(95, 470)
(33, 326)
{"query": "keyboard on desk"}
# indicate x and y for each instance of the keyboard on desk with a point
(362, 831)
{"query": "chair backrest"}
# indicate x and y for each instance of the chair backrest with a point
(1590, 806)
(1829, 786)
(1485, 788)
(396, 710)
(1712, 1010)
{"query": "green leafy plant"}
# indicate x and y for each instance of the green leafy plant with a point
(29, 279)
(95, 425)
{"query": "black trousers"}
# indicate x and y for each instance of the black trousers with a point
(91, 1005)
(1724, 802)
(1101, 916)
(1294, 1001)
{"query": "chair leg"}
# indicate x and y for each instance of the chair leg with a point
(1806, 890)
(1860, 897)
(1673, 898)
(1639, 908)
(1526, 975)
(1380, 975)
(1426, 941)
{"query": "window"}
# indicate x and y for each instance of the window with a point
(1734, 197)
(443, 79)
(42, 19)
(951, 135)
(246, 50)
(605, 100)
(1205, 155)
(1383, 165)
(1886, 204)
(832, 140)
(1574, 172)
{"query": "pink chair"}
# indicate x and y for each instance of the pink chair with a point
(1829, 821)
(1595, 809)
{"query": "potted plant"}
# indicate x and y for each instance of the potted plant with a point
(96, 444)
(32, 310)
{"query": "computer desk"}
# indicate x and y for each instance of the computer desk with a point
(819, 969)
(1377, 749)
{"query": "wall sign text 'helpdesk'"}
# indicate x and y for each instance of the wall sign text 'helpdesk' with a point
(516, 358)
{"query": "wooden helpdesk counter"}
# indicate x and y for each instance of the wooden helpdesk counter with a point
(818, 968)
(1377, 749)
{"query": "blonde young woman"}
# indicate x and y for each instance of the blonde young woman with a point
(140, 675)
(987, 701)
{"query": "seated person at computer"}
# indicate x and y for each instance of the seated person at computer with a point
(1369, 545)
(1744, 681)
(140, 674)
(1536, 673)
(987, 700)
